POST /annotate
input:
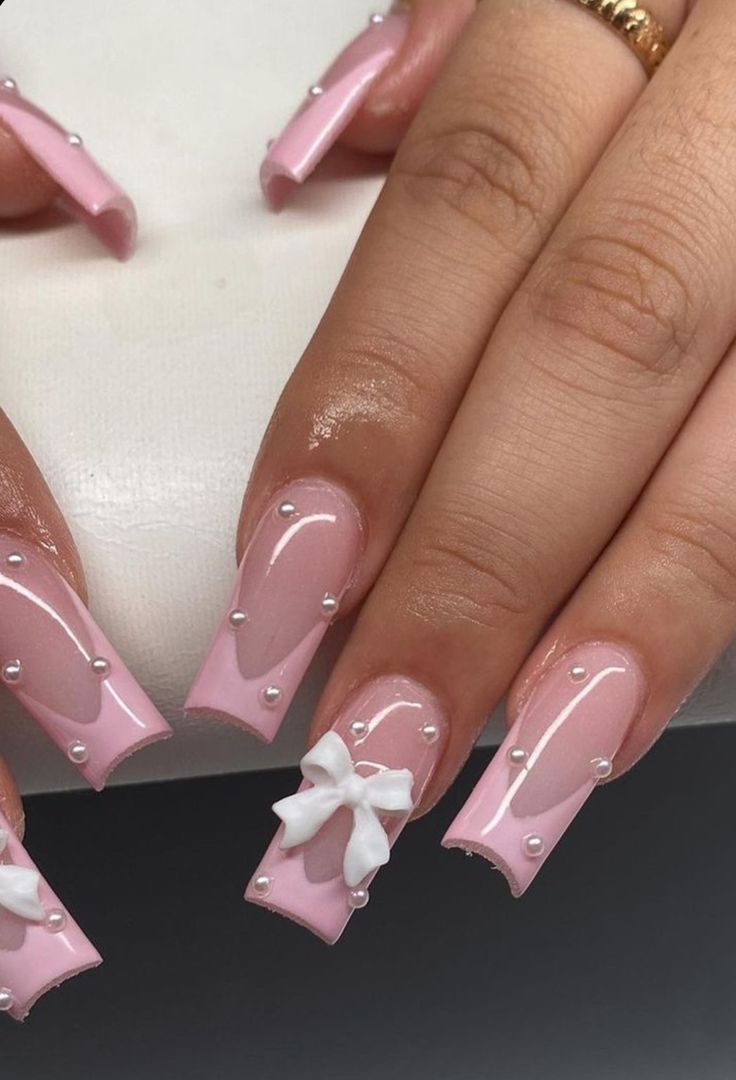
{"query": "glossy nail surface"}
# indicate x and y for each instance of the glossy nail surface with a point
(561, 747)
(86, 191)
(63, 670)
(361, 781)
(329, 107)
(40, 944)
(289, 586)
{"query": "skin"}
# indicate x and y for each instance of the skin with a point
(524, 378)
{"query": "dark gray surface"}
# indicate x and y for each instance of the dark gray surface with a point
(618, 963)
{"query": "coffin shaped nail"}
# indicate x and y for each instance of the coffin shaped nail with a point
(63, 670)
(288, 588)
(40, 944)
(330, 105)
(562, 745)
(86, 191)
(361, 781)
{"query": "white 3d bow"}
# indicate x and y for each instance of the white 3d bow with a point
(19, 888)
(329, 767)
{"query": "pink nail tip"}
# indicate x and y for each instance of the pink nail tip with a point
(87, 192)
(291, 580)
(561, 747)
(329, 107)
(361, 781)
(40, 944)
(65, 673)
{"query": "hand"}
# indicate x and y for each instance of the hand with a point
(510, 444)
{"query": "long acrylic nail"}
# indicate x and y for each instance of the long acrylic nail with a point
(562, 745)
(330, 105)
(40, 944)
(361, 781)
(86, 191)
(63, 670)
(289, 586)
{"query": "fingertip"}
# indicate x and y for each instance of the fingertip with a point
(10, 803)
(434, 27)
(24, 187)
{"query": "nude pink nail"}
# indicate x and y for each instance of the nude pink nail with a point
(86, 191)
(64, 671)
(361, 781)
(330, 106)
(561, 747)
(40, 944)
(297, 567)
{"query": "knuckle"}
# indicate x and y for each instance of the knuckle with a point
(469, 570)
(632, 290)
(697, 546)
(478, 172)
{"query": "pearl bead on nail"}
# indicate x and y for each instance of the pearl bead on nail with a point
(286, 509)
(271, 695)
(75, 140)
(55, 921)
(578, 673)
(6, 999)
(316, 91)
(358, 728)
(100, 666)
(9, 84)
(77, 752)
(236, 618)
(430, 732)
(602, 768)
(262, 885)
(14, 560)
(12, 671)
(330, 604)
(358, 898)
(377, 19)
(533, 846)
(516, 755)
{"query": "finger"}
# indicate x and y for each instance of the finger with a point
(11, 807)
(41, 163)
(53, 656)
(499, 148)
(369, 94)
(643, 628)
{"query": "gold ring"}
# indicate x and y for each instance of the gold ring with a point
(638, 28)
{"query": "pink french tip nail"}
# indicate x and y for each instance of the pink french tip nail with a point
(40, 944)
(560, 748)
(330, 106)
(87, 192)
(298, 565)
(361, 782)
(63, 670)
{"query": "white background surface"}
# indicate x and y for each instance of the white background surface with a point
(143, 389)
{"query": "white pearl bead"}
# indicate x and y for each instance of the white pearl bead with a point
(516, 755)
(286, 509)
(430, 732)
(236, 618)
(377, 19)
(262, 885)
(578, 673)
(533, 846)
(316, 91)
(358, 898)
(75, 140)
(358, 728)
(271, 696)
(100, 666)
(6, 999)
(602, 768)
(55, 921)
(9, 84)
(15, 559)
(77, 752)
(12, 671)
(330, 604)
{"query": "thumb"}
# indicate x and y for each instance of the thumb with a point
(369, 94)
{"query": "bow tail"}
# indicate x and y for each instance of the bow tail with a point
(305, 813)
(368, 846)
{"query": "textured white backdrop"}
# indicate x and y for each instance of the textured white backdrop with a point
(143, 389)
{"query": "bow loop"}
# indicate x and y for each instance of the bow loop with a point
(19, 888)
(329, 768)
